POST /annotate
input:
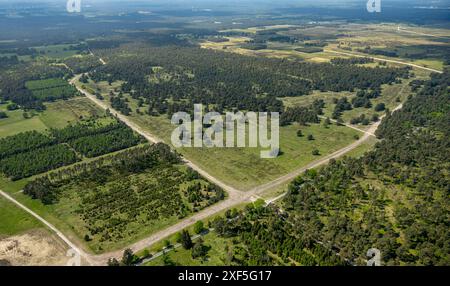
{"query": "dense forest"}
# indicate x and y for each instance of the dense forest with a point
(172, 78)
(31, 153)
(394, 198)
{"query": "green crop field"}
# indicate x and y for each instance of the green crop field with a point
(51, 89)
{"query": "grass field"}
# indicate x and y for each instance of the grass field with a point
(243, 168)
(14, 220)
(390, 96)
(57, 51)
(57, 115)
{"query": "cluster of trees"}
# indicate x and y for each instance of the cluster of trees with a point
(93, 138)
(82, 64)
(33, 150)
(203, 195)
(227, 81)
(104, 143)
(309, 50)
(379, 52)
(120, 104)
(342, 105)
(351, 61)
(261, 231)
(364, 120)
(9, 61)
(51, 89)
(23, 142)
(303, 114)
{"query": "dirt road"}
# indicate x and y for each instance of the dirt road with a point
(383, 60)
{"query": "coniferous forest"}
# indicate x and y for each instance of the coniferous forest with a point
(394, 198)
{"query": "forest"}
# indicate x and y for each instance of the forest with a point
(226, 81)
(30, 153)
(394, 198)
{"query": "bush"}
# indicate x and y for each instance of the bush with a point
(380, 107)
(12, 106)
(199, 227)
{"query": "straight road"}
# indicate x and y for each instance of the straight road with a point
(382, 60)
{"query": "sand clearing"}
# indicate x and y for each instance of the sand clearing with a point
(34, 248)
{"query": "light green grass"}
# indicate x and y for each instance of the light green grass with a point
(243, 168)
(57, 115)
(14, 220)
(57, 51)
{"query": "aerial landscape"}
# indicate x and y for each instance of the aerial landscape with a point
(224, 133)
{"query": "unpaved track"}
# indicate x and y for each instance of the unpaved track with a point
(382, 60)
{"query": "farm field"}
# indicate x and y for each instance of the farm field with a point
(422, 46)
(57, 115)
